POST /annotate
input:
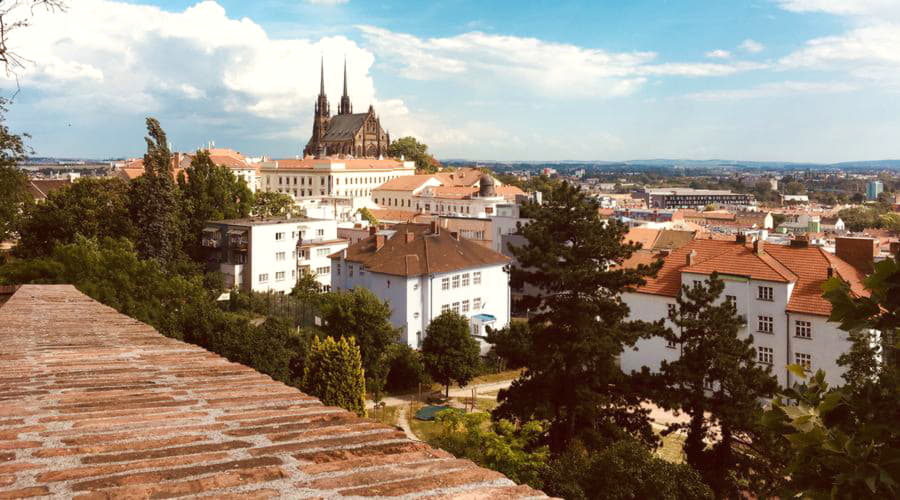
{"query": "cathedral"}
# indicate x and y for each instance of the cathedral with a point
(347, 133)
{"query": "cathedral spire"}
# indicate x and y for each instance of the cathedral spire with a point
(344, 108)
(322, 76)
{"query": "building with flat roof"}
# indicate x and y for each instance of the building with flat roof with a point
(669, 198)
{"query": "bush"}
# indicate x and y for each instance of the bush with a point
(334, 374)
(405, 369)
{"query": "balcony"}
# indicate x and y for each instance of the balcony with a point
(211, 242)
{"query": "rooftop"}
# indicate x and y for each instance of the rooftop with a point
(98, 405)
(331, 161)
(263, 221)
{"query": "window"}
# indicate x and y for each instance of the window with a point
(671, 308)
(476, 278)
(320, 232)
(445, 308)
(708, 384)
(279, 276)
(419, 339)
(731, 299)
(279, 256)
(323, 252)
(765, 355)
(456, 281)
(264, 277)
(416, 315)
(279, 236)
(350, 269)
(337, 268)
(465, 279)
(766, 324)
(803, 329)
(445, 283)
(321, 271)
(804, 360)
(294, 255)
(765, 293)
(670, 344)
(697, 283)
(465, 306)
(415, 286)
(456, 307)
(476, 303)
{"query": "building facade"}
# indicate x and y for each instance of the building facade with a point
(669, 198)
(422, 271)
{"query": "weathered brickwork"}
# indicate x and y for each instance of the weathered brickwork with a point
(94, 404)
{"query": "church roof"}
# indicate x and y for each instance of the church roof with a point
(343, 127)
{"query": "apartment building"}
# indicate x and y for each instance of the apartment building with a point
(422, 270)
(266, 254)
(465, 192)
(776, 288)
(694, 198)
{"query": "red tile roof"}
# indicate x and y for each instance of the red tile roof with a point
(40, 188)
(391, 215)
(806, 267)
(350, 164)
(95, 404)
(422, 253)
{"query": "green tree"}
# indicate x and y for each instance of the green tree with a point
(512, 343)
(154, 202)
(411, 149)
(573, 379)
(624, 470)
(91, 207)
(272, 203)
(405, 368)
(501, 446)
(717, 383)
(794, 187)
(367, 216)
(334, 374)
(449, 351)
(857, 219)
(359, 314)
(210, 192)
(13, 182)
(844, 442)
(307, 288)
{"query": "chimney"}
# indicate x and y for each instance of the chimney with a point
(689, 260)
(858, 252)
(759, 246)
(800, 242)
(372, 230)
(379, 241)
(435, 227)
(410, 236)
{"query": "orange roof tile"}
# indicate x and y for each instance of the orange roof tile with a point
(391, 215)
(645, 236)
(405, 182)
(350, 164)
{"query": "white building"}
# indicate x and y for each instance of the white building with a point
(776, 288)
(336, 184)
(421, 271)
(465, 192)
(266, 254)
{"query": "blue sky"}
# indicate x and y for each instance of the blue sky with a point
(795, 80)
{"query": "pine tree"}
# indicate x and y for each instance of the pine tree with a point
(718, 383)
(573, 379)
(334, 374)
(154, 202)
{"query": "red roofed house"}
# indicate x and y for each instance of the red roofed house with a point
(466, 192)
(422, 270)
(777, 288)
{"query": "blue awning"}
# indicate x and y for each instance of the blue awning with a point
(484, 318)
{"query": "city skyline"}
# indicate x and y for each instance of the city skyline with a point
(787, 80)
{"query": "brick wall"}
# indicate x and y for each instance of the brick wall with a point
(94, 404)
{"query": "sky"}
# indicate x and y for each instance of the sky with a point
(767, 80)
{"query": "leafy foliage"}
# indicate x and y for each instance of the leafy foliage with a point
(272, 203)
(334, 374)
(624, 470)
(512, 343)
(405, 369)
(573, 379)
(13, 182)
(91, 207)
(411, 149)
(717, 383)
(367, 216)
(500, 446)
(449, 351)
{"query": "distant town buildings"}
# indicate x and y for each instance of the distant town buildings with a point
(422, 270)
(873, 189)
(694, 198)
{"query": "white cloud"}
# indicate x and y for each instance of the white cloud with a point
(843, 7)
(112, 56)
(718, 54)
(776, 89)
(751, 46)
(547, 68)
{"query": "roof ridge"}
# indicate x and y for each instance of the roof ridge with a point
(795, 276)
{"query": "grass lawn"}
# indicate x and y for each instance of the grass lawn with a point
(424, 430)
(482, 404)
(387, 415)
(496, 377)
(671, 449)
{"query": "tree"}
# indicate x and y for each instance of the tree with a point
(857, 219)
(717, 383)
(449, 351)
(512, 343)
(272, 203)
(307, 288)
(91, 207)
(501, 446)
(367, 216)
(794, 187)
(844, 442)
(334, 374)
(13, 182)
(210, 192)
(411, 149)
(154, 202)
(405, 368)
(624, 470)
(573, 379)
(359, 314)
